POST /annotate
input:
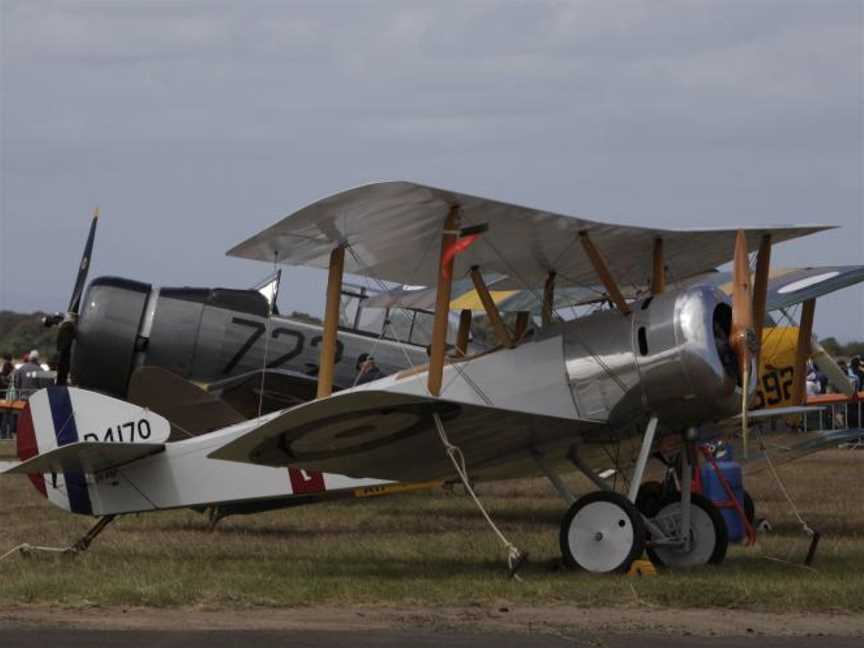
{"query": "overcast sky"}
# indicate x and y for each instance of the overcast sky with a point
(193, 125)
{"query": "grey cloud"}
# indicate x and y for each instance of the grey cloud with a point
(194, 124)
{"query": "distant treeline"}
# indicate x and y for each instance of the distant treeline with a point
(20, 333)
(836, 349)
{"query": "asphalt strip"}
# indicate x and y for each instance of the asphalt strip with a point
(550, 621)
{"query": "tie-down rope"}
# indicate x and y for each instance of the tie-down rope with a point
(806, 527)
(515, 558)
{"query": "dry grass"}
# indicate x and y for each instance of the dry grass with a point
(428, 548)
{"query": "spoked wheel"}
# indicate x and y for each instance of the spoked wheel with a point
(602, 532)
(709, 538)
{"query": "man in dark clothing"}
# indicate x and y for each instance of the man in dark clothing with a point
(367, 370)
(26, 377)
(6, 369)
(7, 417)
(857, 368)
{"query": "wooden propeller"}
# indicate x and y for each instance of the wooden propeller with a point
(742, 337)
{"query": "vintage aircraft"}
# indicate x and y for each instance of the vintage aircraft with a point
(560, 394)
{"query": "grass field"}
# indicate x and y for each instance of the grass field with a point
(429, 549)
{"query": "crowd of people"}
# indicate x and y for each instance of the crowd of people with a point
(817, 381)
(18, 382)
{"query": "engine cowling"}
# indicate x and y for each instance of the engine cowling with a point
(669, 357)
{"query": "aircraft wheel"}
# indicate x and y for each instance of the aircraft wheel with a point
(602, 532)
(709, 538)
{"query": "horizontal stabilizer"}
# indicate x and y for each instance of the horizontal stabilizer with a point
(87, 457)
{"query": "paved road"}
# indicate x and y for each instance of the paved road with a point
(73, 638)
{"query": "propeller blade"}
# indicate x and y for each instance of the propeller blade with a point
(65, 337)
(742, 335)
(742, 300)
(80, 280)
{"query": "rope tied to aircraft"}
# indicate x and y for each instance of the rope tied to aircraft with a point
(515, 558)
(814, 535)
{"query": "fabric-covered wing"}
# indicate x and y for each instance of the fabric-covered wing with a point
(790, 286)
(786, 287)
(393, 436)
(394, 232)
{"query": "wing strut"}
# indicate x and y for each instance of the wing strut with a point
(523, 318)
(331, 322)
(464, 331)
(442, 302)
(602, 270)
(760, 290)
(504, 337)
(805, 332)
(548, 298)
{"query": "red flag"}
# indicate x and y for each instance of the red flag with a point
(456, 247)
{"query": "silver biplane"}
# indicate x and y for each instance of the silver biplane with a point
(544, 399)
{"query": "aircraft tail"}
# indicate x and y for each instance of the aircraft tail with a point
(65, 435)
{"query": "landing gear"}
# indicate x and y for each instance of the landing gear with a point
(605, 531)
(650, 498)
(705, 543)
(602, 532)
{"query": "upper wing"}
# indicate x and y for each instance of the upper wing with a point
(394, 233)
(393, 436)
(790, 286)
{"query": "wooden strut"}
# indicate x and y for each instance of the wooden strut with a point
(803, 351)
(504, 337)
(327, 359)
(548, 298)
(760, 291)
(438, 348)
(603, 273)
(523, 318)
(464, 332)
(658, 274)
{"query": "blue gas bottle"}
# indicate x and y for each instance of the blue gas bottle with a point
(713, 489)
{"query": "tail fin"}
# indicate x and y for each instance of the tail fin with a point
(64, 416)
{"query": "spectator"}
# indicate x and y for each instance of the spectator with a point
(6, 369)
(26, 376)
(812, 384)
(857, 367)
(367, 370)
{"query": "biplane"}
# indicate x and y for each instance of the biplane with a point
(544, 398)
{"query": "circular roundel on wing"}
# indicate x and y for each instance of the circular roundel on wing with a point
(355, 432)
(801, 284)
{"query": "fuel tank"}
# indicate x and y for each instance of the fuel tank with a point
(669, 357)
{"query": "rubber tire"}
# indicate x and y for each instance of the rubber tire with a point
(627, 507)
(721, 533)
(650, 498)
(749, 508)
